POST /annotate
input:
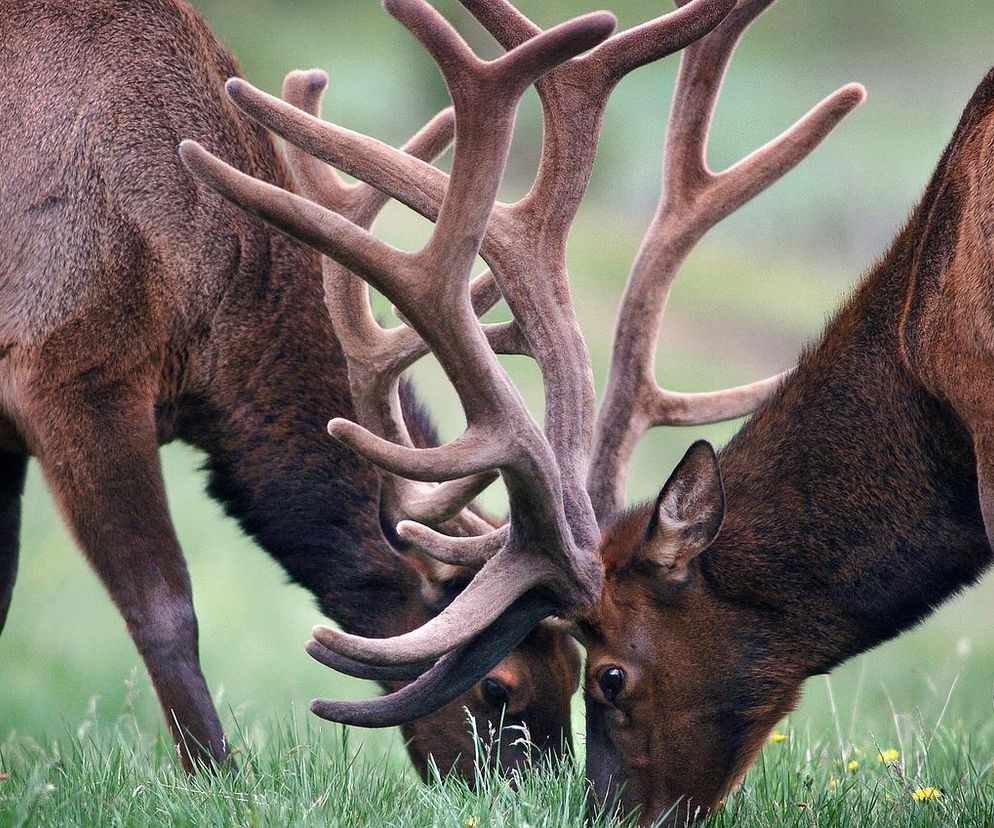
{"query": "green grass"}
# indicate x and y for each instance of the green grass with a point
(292, 772)
(112, 775)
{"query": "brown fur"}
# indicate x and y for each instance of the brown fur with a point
(137, 307)
(855, 500)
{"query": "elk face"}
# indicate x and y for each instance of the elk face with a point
(677, 700)
(530, 689)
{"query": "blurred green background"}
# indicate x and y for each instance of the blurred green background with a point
(759, 287)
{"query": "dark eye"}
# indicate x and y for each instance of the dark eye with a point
(494, 693)
(612, 682)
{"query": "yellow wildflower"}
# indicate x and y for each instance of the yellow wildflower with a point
(777, 738)
(472, 822)
(833, 783)
(889, 755)
(926, 794)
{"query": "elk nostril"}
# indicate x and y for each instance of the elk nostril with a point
(495, 693)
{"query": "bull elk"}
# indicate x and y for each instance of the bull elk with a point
(850, 505)
(137, 308)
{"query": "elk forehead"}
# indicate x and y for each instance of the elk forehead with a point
(622, 537)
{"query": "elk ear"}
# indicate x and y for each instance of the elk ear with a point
(688, 513)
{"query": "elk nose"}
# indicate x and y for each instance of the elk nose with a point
(495, 693)
(603, 799)
(604, 796)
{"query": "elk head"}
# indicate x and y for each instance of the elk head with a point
(679, 704)
(667, 723)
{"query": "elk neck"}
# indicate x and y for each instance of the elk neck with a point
(852, 504)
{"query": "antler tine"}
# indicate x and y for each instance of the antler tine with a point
(663, 36)
(372, 672)
(319, 182)
(430, 288)
(457, 551)
(504, 578)
(376, 356)
(454, 673)
(693, 200)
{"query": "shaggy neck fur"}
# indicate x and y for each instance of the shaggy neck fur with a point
(852, 504)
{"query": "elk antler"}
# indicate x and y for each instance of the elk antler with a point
(539, 564)
(537, 552)
(378, 356)
(525, 244)
(694, 199)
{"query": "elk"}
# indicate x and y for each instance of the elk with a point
(854, 501)
(137, 308)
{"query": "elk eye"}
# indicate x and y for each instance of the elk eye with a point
(494, 693)
(612, 682)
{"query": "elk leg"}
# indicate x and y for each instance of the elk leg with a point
(99, 453)
(12, 470)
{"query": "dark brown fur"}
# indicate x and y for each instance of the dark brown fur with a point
(137, 307)
(853, 510)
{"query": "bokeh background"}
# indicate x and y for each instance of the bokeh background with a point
(756, 290)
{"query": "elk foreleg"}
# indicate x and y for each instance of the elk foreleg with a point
(12, 469)
(99, 452)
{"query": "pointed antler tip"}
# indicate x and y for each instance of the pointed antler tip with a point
(602, 20)
(235, 85)
(845, 99)
(305, 84)
(321, 631)
(191, 154)
(856, 91)
(314, 77)
(591, 29)
(409, 529)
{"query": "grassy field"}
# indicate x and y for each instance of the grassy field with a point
(81, 741)
(926, 772)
